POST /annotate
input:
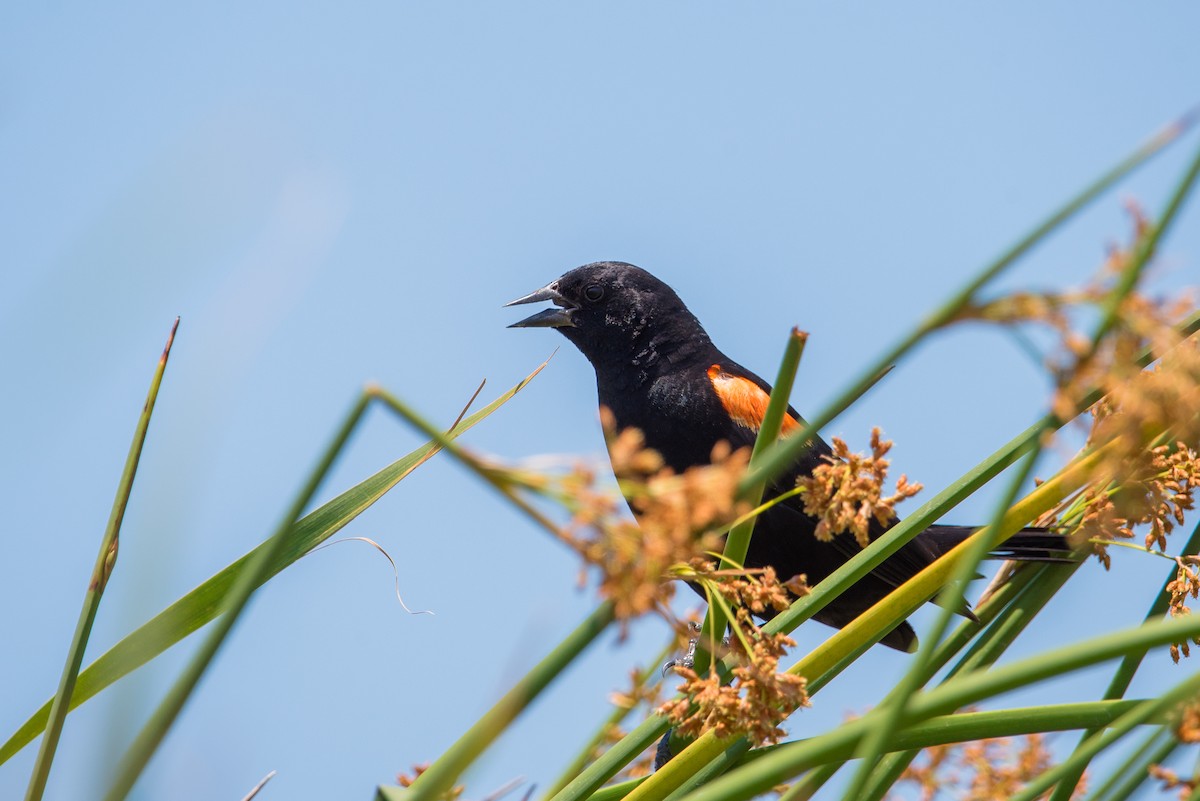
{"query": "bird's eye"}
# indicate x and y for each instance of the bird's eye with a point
(593, 293)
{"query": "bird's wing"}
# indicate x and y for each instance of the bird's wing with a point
(911, 559)
(744, 396)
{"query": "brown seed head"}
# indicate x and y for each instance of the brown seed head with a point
(847, 493)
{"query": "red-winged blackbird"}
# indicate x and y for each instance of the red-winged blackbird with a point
(658, 371)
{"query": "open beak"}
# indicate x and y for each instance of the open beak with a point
(547, 318)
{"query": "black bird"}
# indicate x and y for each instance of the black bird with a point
(658, 371)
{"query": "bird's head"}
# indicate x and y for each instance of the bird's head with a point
(615, 312)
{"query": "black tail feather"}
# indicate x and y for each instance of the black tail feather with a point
(1027, 545)
(1036, 545)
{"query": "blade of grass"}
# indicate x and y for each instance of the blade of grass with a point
(1133, 772)
(734, 755)
(994, 641)
(738, 542)
(257, 570)
(652, 673)
(611, 761)
(459, 756)
(1037, 584)
(201, 605)
(256, 573)
(495, 477)
(951, 597)
(861, 632)
(811, 782)
(105, 563)
(440, 776)
(940, 730)
(783, 762)
(888, 772)
(1128, 279)
(891, 714)
(1005, 603)
(1125, 671)
(1139, 715)
(970, 726)
(615, 792)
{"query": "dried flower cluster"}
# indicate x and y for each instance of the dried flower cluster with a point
(680, 517)
(1172, 781)
(1172, 490)
(847, 493)
(1147, 427)
(759, 698)
(1099, 523)
(1154, 490)
(1186, 583)
(1140, 404)
(983, 770)
(1187, 729)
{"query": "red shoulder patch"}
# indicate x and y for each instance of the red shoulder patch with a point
(744, 401)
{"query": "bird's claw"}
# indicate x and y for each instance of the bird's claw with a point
(686, 661)
(689, 658)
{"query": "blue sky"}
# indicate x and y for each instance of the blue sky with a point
(330, 196)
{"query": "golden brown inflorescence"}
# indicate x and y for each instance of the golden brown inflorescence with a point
(1186, 583)
(1187, 727)
(1146, 428)
(1173, 781)
(983, 770)
(680, 518)
(1187, 730)
(846, 494)
(1154, 489)
(760, 697)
